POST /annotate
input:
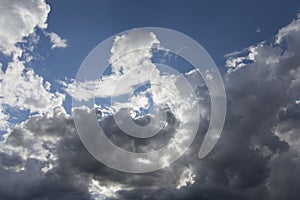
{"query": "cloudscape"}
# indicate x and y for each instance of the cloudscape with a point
(171, 128)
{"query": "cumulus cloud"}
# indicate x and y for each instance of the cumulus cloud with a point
(131, 67)
(20, 87)
(47, 150)
(57, 41)
(24, 90)
(136, 85)
(261, 120)
(128, 54)
(18, 20)
(257, 156)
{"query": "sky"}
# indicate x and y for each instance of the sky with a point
(220, 29)
(254, 56)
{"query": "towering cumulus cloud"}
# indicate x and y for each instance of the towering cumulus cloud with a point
(257, 156)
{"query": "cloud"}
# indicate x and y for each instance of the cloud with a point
(20, 87)
(57, 41)
(47, 150)
(132, 67)
(126, 68)
(32, 153)
(260, 137)
(18, 20)
(24, 90)
(257, 156)
(261, 133)
(3, 120)
(46, 142)
(136, 85)
(240, 59)
(288, 31)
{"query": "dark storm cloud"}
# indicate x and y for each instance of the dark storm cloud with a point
(257, 156)
(140, 145)
(57, 143)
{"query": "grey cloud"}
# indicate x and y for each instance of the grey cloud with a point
(74, 167)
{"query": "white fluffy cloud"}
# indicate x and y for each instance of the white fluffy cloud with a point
(248, 55)
(235, 62)
(131, 65)
(18, 20)
(129, 68)
(57, 41)
(23, 89)
(20, 87)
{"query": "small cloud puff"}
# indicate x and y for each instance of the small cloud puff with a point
(57, 41)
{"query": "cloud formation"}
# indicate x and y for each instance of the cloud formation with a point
(57, 41)
(21, 88)
(257, 156)
(18, 20)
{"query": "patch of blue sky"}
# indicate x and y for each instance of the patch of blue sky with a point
(171, 60)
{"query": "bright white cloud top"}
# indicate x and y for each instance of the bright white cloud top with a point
(56, 40)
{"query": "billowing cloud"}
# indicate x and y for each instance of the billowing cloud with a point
(23, 89)
(20, 87)
(138, 87)
(126, 68)
(257, 156)
(47, 150)
(131, 68)
(18, 20)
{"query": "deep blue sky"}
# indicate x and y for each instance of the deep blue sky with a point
(220, 26)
